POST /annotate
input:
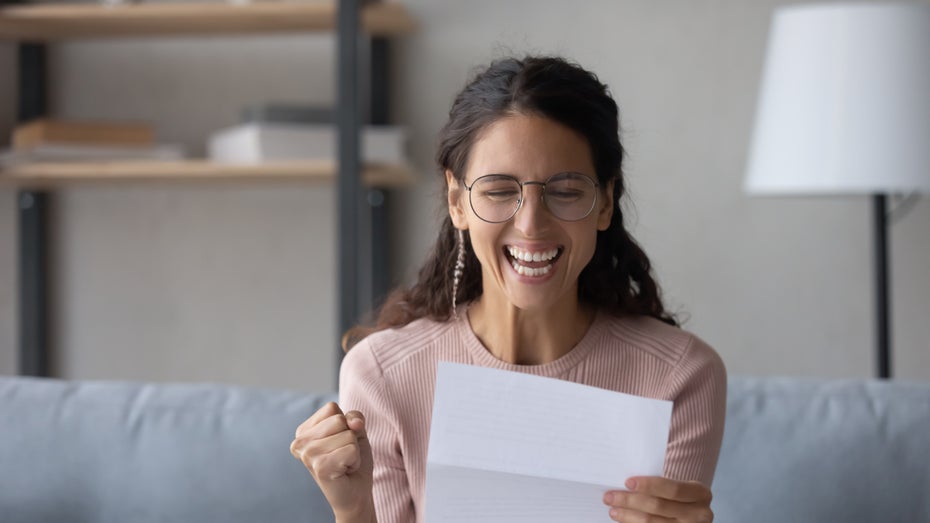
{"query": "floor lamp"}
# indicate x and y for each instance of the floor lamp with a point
(844, 108)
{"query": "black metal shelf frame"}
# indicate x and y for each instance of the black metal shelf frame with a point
(363, 252)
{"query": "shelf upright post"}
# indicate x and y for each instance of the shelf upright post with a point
(348, 184)
(378, 198)
(33, 222)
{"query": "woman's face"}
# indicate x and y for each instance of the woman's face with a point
(530, 148)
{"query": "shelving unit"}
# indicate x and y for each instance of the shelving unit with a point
(55, 175)
(52, 22)
(34, 26)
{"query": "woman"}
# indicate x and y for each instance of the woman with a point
(534, 272)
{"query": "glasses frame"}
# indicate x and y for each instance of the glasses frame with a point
(542, 196)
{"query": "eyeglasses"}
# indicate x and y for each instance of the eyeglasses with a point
(496, 198)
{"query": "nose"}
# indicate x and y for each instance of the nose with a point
(532, 218)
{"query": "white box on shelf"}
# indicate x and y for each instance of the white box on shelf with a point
(263, 142)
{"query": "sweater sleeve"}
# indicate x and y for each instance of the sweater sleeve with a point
(362, 387)
(699, 389)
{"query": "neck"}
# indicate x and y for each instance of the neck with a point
(529, 337)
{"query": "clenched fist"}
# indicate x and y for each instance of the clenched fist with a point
(334, 447)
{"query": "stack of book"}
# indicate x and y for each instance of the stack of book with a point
(48, 140)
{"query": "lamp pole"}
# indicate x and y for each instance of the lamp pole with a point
(882, 304)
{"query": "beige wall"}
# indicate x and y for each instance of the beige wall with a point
(235, 284)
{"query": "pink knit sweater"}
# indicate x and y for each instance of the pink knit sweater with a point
(390, 377)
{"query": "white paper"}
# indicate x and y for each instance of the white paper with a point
(506, 446)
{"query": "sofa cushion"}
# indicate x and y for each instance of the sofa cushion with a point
(806, 450)
(105, 451)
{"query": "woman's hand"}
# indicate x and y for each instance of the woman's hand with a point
(654, 499)
(335, 449)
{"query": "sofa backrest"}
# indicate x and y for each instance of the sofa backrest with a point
(122, 452)
(794, 450)
(806, 450)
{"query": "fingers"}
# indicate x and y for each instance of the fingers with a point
(326, 417)
(330, 409)
(331, 444)
(334, 457)
(632, 506)
(325, 437)
(356, 421)
(632, 516)
(682, 491)
(660, 499)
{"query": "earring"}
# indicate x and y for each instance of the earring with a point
(458, 271)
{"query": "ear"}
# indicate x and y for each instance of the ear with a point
(456, 196)
(606, 212)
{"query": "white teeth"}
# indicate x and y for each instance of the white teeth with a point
(522, 255)
(519, 255)
(529, 271)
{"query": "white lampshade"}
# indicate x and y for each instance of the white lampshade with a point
(844, 105)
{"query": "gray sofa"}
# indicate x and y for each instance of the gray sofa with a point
(794, 451)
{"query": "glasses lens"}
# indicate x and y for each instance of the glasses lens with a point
(495, 198)
(570, 196)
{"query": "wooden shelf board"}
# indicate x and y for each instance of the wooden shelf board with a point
(52, 175)
(44, 22)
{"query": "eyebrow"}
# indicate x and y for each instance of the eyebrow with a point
(550, 176)
(592, 177)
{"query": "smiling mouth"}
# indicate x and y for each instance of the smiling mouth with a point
(532, 263)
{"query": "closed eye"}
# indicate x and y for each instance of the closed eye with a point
(500, 195)
(565, 195)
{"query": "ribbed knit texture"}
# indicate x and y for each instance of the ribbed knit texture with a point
(390, 377)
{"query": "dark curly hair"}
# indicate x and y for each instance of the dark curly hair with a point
(618, 278)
